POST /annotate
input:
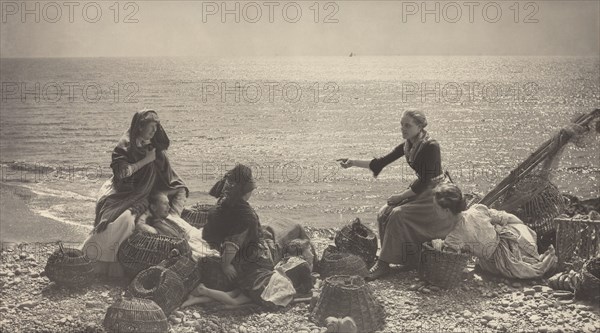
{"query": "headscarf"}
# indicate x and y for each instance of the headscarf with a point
(234, 184)
(232, 215)
(127, 151)
(160, 140)
(412, 150)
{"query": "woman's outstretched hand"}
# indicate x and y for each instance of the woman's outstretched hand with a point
(229, 271)
(345, 162)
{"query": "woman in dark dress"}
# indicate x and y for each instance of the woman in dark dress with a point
(408, 219)
(249, 251)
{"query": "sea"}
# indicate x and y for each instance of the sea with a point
(290, 119)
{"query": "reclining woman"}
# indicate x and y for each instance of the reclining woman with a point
(140, 165)
(160, 219)
(249, 252)
(503, 244)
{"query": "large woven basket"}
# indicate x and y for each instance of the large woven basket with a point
(336, 262)
(143, 250)
(536, 201)
(184, 267)
(576, 239)
(345, 295)
(590, 281)
(442, 268)
(69, 267)
(358, 239)
(212, 274)
(161, 285)
(197, 215)
(135, 315)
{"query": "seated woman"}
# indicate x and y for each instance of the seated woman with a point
(249, 252)
(140, 165)
(501, 242)
(408, 219)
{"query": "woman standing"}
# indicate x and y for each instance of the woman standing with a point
(140, 165)
(408, 219)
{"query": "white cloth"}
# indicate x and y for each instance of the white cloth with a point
(280, 290)
(103, 246)
(200, 248)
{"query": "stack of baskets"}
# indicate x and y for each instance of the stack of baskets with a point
(442, 268)
(345, 295)
(197, 215)
(135, 315)
(577, 239)
(335, 262)
(358, 239)
(69, 267)
(143, 250)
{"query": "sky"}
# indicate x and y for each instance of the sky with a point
(298, 28)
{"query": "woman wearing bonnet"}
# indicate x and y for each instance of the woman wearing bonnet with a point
(408, 219)
(140, 165)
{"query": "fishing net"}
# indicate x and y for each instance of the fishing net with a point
(528, 191)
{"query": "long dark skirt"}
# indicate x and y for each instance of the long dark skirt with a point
(403, 228)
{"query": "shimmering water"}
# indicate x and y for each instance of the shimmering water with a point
(290, 119)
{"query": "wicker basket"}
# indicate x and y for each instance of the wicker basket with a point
(358, 239)
(184, 267)
(69, 267)
(212, 275)
(143, 250)
(336, 262)
(590, 281)
(161, 285)
(135, 315)
(345, 295)
(197, 215)
(576, 239)
(539, 202)
(442, 268)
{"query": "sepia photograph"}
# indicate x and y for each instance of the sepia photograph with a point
(305, 166)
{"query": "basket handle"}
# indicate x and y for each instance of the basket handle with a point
(174, 253)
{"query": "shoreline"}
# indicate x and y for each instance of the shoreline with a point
(46, 214)
(20, 224)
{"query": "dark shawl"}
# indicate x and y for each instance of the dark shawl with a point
(232, 215)
(132, 192)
